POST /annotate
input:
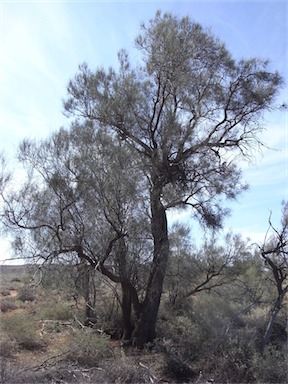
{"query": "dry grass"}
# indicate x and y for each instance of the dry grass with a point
(41, 333)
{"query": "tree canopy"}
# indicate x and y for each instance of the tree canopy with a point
(164, 133)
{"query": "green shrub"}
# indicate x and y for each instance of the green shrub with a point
(233, 361)
(88, 348)
(21, 328)
(271, 367)
(7, 305)
(26, 294)
(57, 311)
(182, 346)
(7, 347)
(211, 335)
(124, 370)
(5, 292)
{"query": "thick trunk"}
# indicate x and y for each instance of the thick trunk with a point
(126, 311)
(89, 311)
(84, 282)
(145, 328)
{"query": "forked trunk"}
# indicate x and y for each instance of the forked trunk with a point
(145, 328)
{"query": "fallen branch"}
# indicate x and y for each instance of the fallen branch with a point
(153, 379)
(44, 363)
(79, 322)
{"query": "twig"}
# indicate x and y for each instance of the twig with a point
(34, 277)
(43, 364)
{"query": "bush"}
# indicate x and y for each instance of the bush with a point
(15, 280)
(7, 347)
(26, 294)
(58, 311)
(88, 348)
(124, 370)
(233, 362)
(5, 292)
(21, 328)
(7, 305)
(271, 367)
(182, 346)
(209, 335)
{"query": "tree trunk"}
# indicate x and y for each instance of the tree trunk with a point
(126, 311)
(273, 315)
(145, 327)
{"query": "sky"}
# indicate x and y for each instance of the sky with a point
(43, 43)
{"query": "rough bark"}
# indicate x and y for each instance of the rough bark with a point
(84, 285)
(126, 307)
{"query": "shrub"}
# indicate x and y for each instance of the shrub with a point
(233, 360)
(26, 294)
(181, 346)
(58, 311)
(7, 347)
(210, 335)
(88, 348)
(7, 305)
(15, 280)
(124, 370)
(21, 328)
(5, 292)
(271, 367)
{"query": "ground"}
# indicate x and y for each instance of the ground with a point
(36, 348)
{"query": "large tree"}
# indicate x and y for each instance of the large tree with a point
(188, 110)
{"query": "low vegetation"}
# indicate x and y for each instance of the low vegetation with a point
(212, 336)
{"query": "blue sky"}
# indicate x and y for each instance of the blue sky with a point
(43, 42)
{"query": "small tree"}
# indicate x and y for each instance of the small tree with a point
(216, 263)
(274, 251)
(188, 112)
(79, 205)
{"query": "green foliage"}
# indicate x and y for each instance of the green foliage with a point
(7, 347)
(5, 292)
(26, 294)
(210, 335)
(271, 367)
(88, 348)
(22, 328)
(7, 305)
(60, 277)
(56, 311)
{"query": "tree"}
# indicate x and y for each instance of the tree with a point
(212, 266)
(83, 197)
(188, 111)
(274, 251)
